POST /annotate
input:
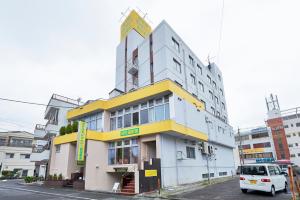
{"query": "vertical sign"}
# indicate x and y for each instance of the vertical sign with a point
(81, 137)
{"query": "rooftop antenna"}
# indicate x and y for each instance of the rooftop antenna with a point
(124, 14)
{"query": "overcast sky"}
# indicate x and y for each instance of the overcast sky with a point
(68, 47)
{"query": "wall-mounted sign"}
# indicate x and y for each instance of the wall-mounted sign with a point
(121, 169)
(128, 132)
(265, 160)
(255, 150)
(150, 173)
(81, 137)
(136, 22)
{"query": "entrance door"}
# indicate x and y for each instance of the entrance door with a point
(150, 150)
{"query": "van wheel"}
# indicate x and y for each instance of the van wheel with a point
(244, 191)
(285, 187)
(272, 193)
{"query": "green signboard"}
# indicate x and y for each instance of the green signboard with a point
(128, 132)
(81, 137)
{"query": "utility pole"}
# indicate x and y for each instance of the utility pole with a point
(208, 153)
(241, 148)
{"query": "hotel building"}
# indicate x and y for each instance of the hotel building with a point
(165, 123)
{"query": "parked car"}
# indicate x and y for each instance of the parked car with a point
(262, 177)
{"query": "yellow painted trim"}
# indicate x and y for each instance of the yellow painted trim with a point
(148, 91)
(146, 129)
(72, 137)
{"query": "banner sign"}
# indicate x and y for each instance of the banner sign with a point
(81, 137)
(128, 132)
(255, 150)
(150, 173)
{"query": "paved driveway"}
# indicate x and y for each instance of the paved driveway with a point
(229, 190)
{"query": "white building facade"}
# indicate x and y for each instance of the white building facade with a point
(15, 153)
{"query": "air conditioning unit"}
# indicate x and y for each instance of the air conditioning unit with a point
(179, 155)
(203, 146)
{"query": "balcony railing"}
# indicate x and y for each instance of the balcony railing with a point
(65, 99)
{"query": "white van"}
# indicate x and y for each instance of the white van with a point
(262, 177)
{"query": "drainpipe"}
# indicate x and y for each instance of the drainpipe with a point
(207, 155)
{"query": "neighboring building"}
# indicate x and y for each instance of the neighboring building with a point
(15, 152)
(291, 124)
(256, 145)
(165, 122)
(275, 122)
(55, 115)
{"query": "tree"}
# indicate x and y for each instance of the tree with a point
(75, 126)
(69, 129)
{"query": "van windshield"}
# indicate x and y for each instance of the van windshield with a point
(254, 170)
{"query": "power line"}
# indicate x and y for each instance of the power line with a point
(32, 103)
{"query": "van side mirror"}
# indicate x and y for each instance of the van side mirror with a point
(284, 173)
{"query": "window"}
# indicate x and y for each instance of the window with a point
(209, 79)
(260, 135)
(211, 95)
(175, 44)
(292, 125)
(201, 86)
(272, 171)
(135, 118)
(290, 145)
(213, 111)
(177, 65)
(222, 173)
(293, 155)
(193, 79)
(254, 170)
(296, 144)
(221, 91)
(298, 124)
(298, 154)
(191, 59)
(24, 156)
(214, 84)
(94, 122)
(262, 145)
(288, 135)
(123, 152)
(57, 148)
(219, 76)
(113, 124)
(144, 116)
(294, 134)
(127, 120)
(200, 68)
(190, 152)
(159, 113)
(286, 126)
(217, 99)
(120, 122)
(223, 106)
(9, 155)
(205, 175)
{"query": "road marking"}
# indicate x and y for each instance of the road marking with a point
(47, 193)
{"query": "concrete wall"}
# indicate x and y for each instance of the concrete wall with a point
(181, 171)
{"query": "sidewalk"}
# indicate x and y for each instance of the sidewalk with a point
(181, 189)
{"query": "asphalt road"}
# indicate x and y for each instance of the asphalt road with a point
(230, 190)
(11, 190)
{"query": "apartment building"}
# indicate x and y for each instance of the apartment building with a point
(55, 113)
(255, 146)
(164, 124)
(15, 153)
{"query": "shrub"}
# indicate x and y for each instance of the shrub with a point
(62, 130)
(7, 174)
(60, 177)
(69, 129)
(54, 177)
(28, 179)
(75, 126)
(50, 177)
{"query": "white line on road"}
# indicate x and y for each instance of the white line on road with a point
(47, 193)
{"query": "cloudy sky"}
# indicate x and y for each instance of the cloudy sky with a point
(68, 47)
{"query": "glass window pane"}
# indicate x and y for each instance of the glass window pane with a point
(134, 142)
(135, 118)
(119, 155)
(99, 124)
(167, 111)
(112, 123)
(120, 122)
(159, 113)
(119, 143)
(126, 159)
(127, 120)
(111, 156)
(126, 142)
(144, 116)
(134, 154)
(93, 125)
(151, 114)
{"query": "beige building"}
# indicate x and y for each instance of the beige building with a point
(15, 152)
